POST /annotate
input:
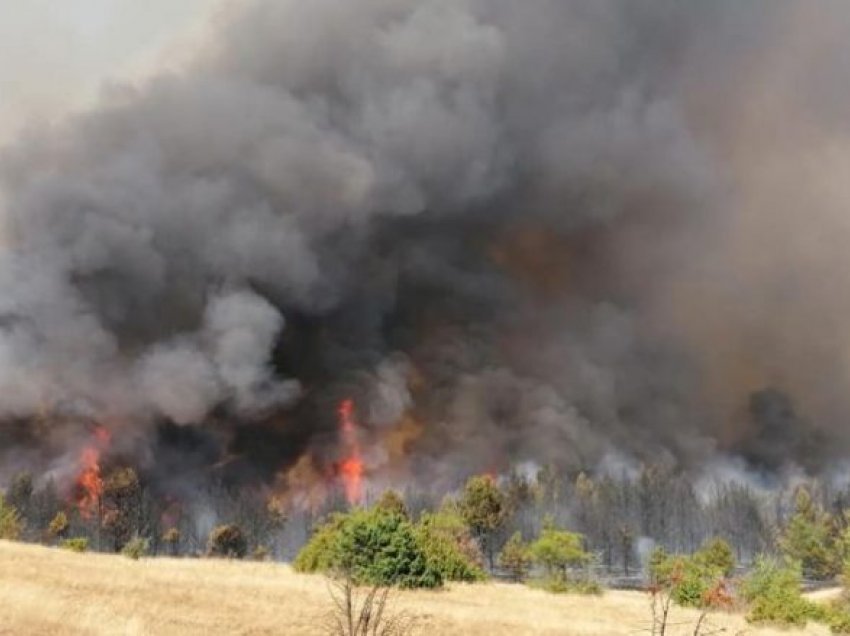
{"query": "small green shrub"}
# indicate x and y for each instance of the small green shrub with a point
(171, 538)
(382, 546)
(227, 541)
(838, 619)
(319, 553)
(809, 538)
(445, 556)
(658, 565)
(772, 590)
(260, 553)
(559, 585)
(838, 612)
(697, 580)
(769, 577)
(693, 583)
(58, 526)
(780, 610)
(11, 524)
(716, 554)
(448, 523)
(587, 587)
(393, 503)
(373, 547)
(75, 544)
(558, 551)
(515, 557)
(136, 548)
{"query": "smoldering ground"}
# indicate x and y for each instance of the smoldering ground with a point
(544, 231)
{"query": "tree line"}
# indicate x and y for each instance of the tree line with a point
(620, 518)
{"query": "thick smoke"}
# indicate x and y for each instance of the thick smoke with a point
(548, 231)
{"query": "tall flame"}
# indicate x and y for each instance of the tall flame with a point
(89, 481)
(351, 467)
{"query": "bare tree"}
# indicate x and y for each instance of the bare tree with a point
(662, 594)
(661, 601)
(364, 611)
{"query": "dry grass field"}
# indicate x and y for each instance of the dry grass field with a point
(51, 592)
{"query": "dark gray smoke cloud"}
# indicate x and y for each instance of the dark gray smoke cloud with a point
(548, 231)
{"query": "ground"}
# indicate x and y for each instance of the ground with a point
(46, 591)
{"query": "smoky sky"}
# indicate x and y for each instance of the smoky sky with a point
(547, 231)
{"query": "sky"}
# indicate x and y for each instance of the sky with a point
(56, 54)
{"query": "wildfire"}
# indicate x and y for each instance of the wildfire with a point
(351, 467)
(89, 484)
(303, 486)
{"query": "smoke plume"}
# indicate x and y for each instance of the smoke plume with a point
(548, 231)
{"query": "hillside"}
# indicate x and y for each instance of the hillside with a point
(50, 592)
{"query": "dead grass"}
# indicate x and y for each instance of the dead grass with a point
(52, 592)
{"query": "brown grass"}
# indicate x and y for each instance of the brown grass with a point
(45, 591)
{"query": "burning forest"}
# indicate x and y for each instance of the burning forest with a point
(357, 245)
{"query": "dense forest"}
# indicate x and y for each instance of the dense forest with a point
(621, 518)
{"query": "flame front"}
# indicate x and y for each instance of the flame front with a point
(89, 481)
(351, 467)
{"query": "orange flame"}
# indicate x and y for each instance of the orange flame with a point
(89, 481)
(351, 468)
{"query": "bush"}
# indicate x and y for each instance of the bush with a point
(319, 553)
(75, 544)
(171, 538)
(838, 619)
(445, 555)
(559, 585)
(447, 522)
(838, 612)
(657, 566)
(136, 548)
(227, 541)
(515, 557)
(58, 526)
(558, 551)
(716, 554)
(769, 577)
(691, 580)
(586, 587)
(372, 547)
(11, 525)
(809, 538)
(392, 502)
(773, 591)
(382, 547)
(260, 553)
(782, 610)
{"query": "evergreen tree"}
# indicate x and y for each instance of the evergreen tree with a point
(515, 557)
(809, 538)
(484, 508)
